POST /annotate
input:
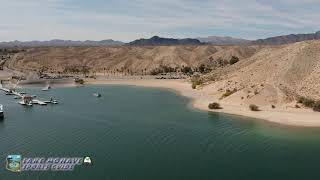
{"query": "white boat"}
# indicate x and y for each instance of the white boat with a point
(97, 95)
(39, 102)
(52, 101)
(1, 111)
(17, 97)
(46, 88)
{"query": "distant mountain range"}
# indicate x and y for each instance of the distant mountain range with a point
(287, 39)
(159, 41)
(59, 43)
(217, 40)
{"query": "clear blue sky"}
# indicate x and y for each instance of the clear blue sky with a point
(127, 20)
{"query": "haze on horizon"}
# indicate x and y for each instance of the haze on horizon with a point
(126, 20)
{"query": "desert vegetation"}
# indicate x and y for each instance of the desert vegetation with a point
(310, 103)
(253, 107)
(228, 93)
(214, 106)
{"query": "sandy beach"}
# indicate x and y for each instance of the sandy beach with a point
(283, 114)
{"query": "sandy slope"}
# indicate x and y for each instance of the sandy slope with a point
(130, 58)
(201, 99)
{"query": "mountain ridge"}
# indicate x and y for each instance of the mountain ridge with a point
(60, 43)
(159, 41)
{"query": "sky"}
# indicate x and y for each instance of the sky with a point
(127, 20)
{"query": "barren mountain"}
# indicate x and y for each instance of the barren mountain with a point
(286, 39)
(133, 58)
(159, 41)
(216, 40)
(59, 43)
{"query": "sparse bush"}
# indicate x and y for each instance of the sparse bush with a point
(297, 106)
(234, 60)
(273, 106)
(316, 106)
(195, 80)
(229, 93)
(256, 92)
(187, 70)
(306, 101)
(214, 106)
(254, 107)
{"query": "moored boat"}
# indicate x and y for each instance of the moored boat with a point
(1, 111)
(97, 95)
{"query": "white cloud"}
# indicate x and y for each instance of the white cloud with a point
(128, 20)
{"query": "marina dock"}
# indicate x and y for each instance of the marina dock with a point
(26, 99)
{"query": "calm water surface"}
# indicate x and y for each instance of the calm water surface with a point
(151, 134)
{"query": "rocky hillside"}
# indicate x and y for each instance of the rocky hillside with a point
(272, 75)
(128, 58)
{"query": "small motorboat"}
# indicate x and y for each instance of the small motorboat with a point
(52, 101)
(1, 111)
(9, 93)
(97, 95)
(47, 88)
(17, 97)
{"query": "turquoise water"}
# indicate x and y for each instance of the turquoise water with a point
(144, 133)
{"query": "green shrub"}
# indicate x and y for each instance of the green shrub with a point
(194, 86)
(254, 107)
(306, 101)
(316, 106)
(234, 60)
(228, 93)
(214, 106)
(195, 80)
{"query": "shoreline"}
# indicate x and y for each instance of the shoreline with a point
(201, 99)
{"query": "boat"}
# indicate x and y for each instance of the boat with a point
(9, 93)
(1, 111)
(26, 104)
(39, 102)
(46, 88)
(52, 101)
(97, 95)
(17, 97)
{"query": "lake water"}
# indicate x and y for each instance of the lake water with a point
(151, 134)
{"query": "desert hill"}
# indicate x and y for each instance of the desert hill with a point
(133, 58)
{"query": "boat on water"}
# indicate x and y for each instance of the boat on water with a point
(97, 95)
(47, 88)
(39, 102)
(51, 101)
(1, 111)
(17, 97)
(9, 93)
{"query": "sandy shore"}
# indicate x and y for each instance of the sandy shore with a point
(201, 98)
